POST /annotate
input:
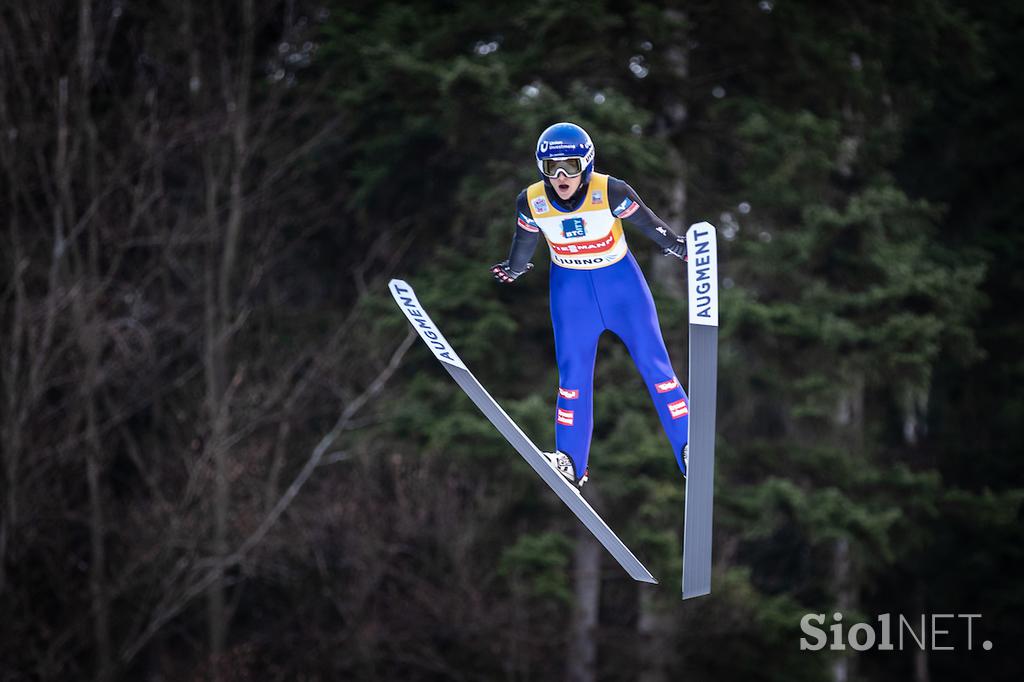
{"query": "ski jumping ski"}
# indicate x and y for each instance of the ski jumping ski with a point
(702, 276)
(406, 299)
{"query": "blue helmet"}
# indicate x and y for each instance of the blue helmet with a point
(565, 148)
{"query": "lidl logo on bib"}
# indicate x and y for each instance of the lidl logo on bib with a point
(573, 227)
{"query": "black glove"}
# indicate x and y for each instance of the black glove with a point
(503, 273)
(678, 249)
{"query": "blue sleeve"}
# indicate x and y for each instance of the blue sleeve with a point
(626, 205)
(524, 242)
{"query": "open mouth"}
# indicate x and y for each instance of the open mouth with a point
(563, 186)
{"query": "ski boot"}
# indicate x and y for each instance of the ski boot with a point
(562, 463)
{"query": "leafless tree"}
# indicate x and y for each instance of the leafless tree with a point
(145, 207)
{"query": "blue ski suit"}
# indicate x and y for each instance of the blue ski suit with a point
(596, 285)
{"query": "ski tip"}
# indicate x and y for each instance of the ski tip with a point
(704, 225)
(649, 579)
(398, 282)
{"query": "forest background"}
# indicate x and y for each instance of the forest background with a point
(225, 458)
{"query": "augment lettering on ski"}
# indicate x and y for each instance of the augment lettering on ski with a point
(405, 297)
(702, 285)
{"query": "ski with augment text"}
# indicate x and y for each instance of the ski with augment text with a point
(405, 297)
(702, 276)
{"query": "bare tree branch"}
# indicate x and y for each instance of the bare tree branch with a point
(168, 611)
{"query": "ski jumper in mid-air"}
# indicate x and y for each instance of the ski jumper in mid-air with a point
(596, 285)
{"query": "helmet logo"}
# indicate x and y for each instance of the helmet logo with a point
(565, 141)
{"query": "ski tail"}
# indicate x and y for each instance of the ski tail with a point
(702, 275)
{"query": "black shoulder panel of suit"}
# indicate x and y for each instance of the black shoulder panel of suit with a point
(642, 218)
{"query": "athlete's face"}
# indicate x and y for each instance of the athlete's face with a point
(566, 187)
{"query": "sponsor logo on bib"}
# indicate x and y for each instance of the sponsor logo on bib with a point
(585, 247)
(574, 227)
(595, 260)
(540, 205)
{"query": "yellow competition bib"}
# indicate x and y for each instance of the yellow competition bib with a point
(585, 239)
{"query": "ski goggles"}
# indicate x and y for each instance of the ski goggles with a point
(570, 167)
